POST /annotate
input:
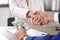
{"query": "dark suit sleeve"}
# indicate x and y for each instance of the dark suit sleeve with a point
(47, 37)
(59, 17)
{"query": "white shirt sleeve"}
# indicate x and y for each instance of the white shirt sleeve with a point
(16, 10)
(56, 18)
(20, 12)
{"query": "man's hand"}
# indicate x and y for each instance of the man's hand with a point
(20, 34)
(40, 18)
(36, 16)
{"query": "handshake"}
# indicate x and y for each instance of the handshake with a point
(40, 17)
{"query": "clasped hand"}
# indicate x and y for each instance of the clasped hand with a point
(38, 17)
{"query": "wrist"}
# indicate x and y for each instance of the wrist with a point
(23, 37)
(51, 17)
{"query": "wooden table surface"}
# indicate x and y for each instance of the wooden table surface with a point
(51, 29)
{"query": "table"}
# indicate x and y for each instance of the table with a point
(9, 32)
(8, 35)
(50, 29)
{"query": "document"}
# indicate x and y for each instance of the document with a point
(30, 32)
(3, 38)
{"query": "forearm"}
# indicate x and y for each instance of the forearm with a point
(16, 10)
(50, 16)
(20, 12)
(53, 16)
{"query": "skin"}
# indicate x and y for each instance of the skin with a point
(21, 33)
(36, 17)
(40, 18)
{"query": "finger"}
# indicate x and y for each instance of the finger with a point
(42, 20)
(32, 13)
(39, 23)
(20, 38)
(46, 21)
(41, 15)
(34, 20)
(17, 31)
(38, 20)
(17, 34)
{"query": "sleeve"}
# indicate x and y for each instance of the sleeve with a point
(59, 17)
(56, 18)
(24, 38)
(47, 37)
(37, 38)
(17, 11)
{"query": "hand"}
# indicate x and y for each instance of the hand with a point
(20, 34)
(40, 18)
(30, 13)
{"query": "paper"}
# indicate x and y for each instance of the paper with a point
(31, 32)
(12, 31)
(20, 22)
(3, 38)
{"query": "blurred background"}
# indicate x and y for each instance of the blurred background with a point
(49, 5)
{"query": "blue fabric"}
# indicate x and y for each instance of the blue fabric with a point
(59, 17)
(47, 37)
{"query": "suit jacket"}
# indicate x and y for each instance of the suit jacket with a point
(47, 37)
(19, 8)
(59, 17)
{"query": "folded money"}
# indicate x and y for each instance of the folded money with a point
(22, 23)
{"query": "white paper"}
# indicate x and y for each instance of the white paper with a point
(12, 31)
(31, 32)
(3, 38)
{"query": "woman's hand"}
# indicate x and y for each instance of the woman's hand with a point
(20, 34)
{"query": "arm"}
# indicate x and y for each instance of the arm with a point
(17, 11)
(54, 17)
(47, 17)
(47, 37)
(21, 35)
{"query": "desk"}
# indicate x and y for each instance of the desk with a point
(45, 28)
(49, 28)
(9, 32)
(5, 33)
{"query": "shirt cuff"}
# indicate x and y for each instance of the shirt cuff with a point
(20, 12)
(56, 18)
(24, 38)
